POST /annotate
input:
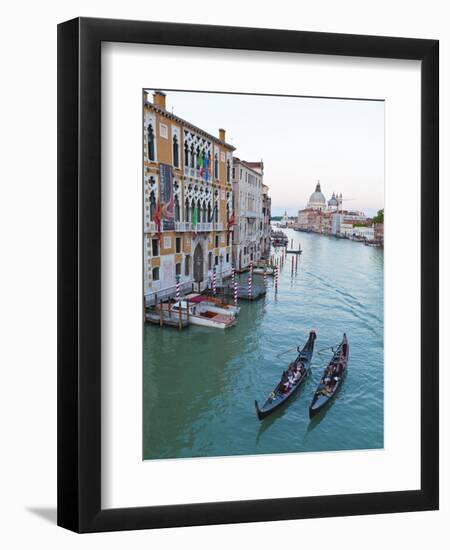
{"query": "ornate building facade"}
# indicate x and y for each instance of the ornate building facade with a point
(188, 201)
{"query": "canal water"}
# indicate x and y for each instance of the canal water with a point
(200, 383)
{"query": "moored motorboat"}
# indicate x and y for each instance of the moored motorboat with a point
(261, 269)
(278, 238)
(213, 304)
(332, 378)
(200, 314)
(291, 380)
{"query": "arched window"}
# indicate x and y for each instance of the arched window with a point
(187, 264)
(176, 161)
(216, 167)
(150, 143)
(186, 211)
(155, 273)
(228, 171)
(192, 156)
(177, 209)
(209, 213)
(152, 201)
(186, 154)
(210, 260)
(216, 213)
(228, 212)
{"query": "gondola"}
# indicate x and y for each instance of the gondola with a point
(279, 395)
(332, 378)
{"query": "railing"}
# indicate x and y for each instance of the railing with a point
(190, 172)
(204, 226)
(188, 226)
(150, 228)
(218, 226)
(183, 226)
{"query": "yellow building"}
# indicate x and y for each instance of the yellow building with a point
(187, 202)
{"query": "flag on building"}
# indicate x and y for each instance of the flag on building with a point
(194, 217)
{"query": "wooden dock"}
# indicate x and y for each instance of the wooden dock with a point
(165, 318)
(258, 291)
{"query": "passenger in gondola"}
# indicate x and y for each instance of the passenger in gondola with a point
(297, 376)
(284, 382)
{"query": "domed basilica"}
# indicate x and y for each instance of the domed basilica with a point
(317, 201)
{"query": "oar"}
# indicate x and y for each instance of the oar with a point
(287, 351)
(324, 349)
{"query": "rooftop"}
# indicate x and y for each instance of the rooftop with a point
(186, 123)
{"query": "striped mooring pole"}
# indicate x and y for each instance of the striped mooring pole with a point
(276, 279)
(178, 294)
(235, 292)
(265, 277)
(214, 281)
(250, 294)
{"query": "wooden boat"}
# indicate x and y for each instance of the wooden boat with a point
(199, 314)
(210, 303)
(332, 378)
(260, 269)
(284, 390)
(278, 238)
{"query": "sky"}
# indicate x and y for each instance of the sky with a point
(301, 141)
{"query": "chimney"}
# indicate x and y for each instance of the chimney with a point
(221, 134)
(159, 98)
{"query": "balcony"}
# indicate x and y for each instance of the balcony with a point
(204, 226)
(150, 227)
(195, 173)
(251, 214)
(187, 226)
(189, 172)
(183, 226)
(218, 226)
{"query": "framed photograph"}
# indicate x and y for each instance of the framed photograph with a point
(247, 275)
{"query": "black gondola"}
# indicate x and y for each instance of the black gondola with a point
(284, 390)
(332, 378)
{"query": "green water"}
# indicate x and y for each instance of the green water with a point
(200, 383)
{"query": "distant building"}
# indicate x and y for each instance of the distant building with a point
(329, 218)
(317, 200)
(284, 222)
(357, 232)
(266, 210)
(379, 233)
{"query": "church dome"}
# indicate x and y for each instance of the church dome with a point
(333, 201)
(317, 199)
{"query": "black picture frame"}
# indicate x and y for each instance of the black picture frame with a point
(79, 274)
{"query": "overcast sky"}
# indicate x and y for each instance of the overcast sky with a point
(301, 140)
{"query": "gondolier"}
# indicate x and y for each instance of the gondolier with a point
(332, 378)
(291, 380)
